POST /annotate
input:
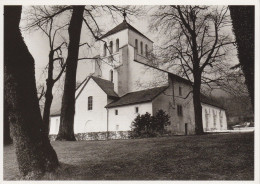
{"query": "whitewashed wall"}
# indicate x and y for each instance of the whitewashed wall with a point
(208, 120)
(142, 77)
(126, 114)
(133, 35)
(90, 120)
(166, 102)
(54, 125)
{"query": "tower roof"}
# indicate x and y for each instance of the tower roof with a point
(122, 26)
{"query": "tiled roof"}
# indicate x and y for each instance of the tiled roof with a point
(120, 27)
(138, 97)
(210, 101)
(106, 86)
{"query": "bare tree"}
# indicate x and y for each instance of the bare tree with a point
(195, 45)
(243, 21)
(66, 130)
(51, 29)
(34, 152)
(234, 83)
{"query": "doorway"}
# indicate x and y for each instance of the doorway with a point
(186, 128)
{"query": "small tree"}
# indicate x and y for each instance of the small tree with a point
(161, 121)
(140, 124)
(147, 125)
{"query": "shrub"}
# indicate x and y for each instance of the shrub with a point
(147, 125)
(161, 121)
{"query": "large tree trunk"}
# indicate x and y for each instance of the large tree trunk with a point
(7, 137)
(34, 152)
(48, 94)
(66, 130)
(244, 28)
(197, 104)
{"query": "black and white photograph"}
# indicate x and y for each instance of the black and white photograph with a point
(130, 92)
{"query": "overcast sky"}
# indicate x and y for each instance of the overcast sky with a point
(38, 44)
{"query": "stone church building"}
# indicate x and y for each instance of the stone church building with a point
(110, 99)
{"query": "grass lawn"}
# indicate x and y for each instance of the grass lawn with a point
(206, 157)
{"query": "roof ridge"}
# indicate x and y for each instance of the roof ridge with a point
(210, 100)
(101, 79)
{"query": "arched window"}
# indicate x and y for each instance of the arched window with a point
(117, 45)
(105, 49)
(90, 103)
(111, 47)
(111, 75)
(136, 45)
(141, 45)
(146, 50)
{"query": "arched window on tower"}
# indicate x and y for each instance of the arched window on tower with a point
(117, 45)
(146, 50)
(141, 45)
(111, 75)
(111, 47)
(136, 45)
(105, 49)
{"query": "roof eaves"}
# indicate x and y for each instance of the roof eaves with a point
(82, 83)
(160, 92)
(82, 88)
(120, 105)
(176, 76)
(218, 106)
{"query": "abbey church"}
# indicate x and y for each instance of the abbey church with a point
(110, 98)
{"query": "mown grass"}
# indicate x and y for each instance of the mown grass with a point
(206, 157)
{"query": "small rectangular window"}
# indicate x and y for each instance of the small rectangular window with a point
(179, 110)
(116, 112)
(90, 103)
(141, 45)
(180, 91)
(136, 45)
(136, 109)
(117, 127)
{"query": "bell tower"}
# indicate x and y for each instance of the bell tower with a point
(118, 49)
